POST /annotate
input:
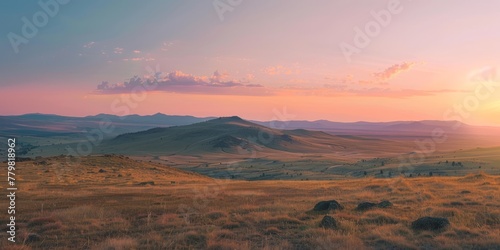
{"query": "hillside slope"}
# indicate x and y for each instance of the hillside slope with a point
(231, 135)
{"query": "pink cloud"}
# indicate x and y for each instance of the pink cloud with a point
(221, 84)
(280, 70)
(136, 59)
(180, 82)
(394, 70)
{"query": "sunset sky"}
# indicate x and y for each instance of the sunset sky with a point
(310, 60)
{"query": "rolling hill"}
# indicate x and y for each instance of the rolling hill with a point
(231, 135)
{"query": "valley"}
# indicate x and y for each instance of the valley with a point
(231, 147)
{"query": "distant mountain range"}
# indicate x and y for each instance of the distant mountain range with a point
(51, 125)
(395, 128)
(161, 134)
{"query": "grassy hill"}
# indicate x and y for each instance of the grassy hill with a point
(231, 135)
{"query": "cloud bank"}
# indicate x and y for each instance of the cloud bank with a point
(180, 82)
(219, 83)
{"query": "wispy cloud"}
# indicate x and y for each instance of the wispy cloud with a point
(280, 70)
(118, 50)
(166, 46)
(400, 93)
(138, 59)
(89, 45)
(336, 90)
(394, 70)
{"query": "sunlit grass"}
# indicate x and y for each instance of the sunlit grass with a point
(200, 213)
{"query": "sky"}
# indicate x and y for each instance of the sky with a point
(302, 60)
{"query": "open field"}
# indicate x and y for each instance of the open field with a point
(302, 166)
(109, 202)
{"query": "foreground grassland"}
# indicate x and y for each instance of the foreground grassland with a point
(110, 203)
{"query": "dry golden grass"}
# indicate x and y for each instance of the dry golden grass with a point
(85, 209)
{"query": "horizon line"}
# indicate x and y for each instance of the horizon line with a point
(216, 117)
